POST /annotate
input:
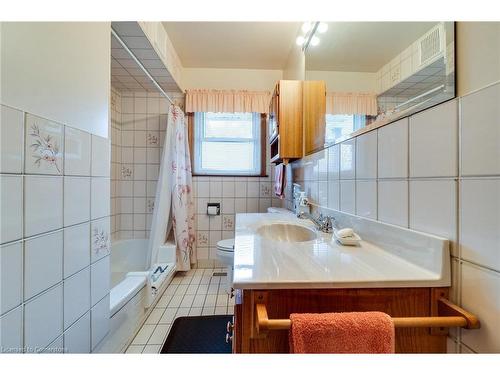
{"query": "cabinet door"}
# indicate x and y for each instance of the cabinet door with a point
(314, 112)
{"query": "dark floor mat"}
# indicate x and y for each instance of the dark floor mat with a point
(198, 334)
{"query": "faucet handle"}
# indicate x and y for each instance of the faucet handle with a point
(328, 224)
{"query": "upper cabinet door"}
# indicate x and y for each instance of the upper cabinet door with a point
(314, 111)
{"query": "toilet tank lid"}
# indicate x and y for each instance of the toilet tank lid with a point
(226, 244)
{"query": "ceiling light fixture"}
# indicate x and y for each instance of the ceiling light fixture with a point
(309, 30)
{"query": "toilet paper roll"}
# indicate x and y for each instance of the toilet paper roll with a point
(212, 210)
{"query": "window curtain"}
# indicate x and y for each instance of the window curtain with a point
(351, 103)
(227, 101)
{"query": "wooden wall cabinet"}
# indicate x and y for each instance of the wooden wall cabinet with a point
(314, 110)
(285, 122)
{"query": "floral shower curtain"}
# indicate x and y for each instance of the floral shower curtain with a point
(182, 199)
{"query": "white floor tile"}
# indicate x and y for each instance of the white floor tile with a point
(211, 300)
(155, 316)
(134, 349)
(175, 301)
(168, 316)
(159, 334)
(187, 301)
(195, 311)
(183, 311)
(202, 289)
(181, 289)
(222, 300)
(171, 289)
(221, 310)
(208, 310)
(213, 289)
(143, 335)
(164, 301)
(151, 349)
(199, 300)
(192, 289)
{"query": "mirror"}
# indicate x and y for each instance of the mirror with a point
(375, 73)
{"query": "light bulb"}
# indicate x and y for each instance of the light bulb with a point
(322, 27)
(306, 26)
(300, 40)
(314, 41)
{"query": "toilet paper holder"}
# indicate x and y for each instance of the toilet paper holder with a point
(213, 209)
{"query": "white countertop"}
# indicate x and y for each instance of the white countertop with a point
(261, 263)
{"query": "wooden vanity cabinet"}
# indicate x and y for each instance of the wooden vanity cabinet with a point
(285, 121)
(280, 303)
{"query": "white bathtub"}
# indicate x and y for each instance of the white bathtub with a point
(134, 288)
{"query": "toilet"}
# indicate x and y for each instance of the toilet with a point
(225, 255)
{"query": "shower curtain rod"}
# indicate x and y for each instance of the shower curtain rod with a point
(113, 32)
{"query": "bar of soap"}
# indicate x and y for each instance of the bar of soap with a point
(346, 232)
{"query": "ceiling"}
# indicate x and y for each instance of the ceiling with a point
(362, 46)
(126, 75)
(239, 45)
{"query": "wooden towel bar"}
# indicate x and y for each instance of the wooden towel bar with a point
(450, 315)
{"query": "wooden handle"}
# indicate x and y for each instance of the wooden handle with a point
(451, 315)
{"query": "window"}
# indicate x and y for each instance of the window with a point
(341, 125)
(227, 144)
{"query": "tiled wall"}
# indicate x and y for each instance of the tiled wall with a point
(235, 195)
(436, 172)
(139, 122)
(54, 252)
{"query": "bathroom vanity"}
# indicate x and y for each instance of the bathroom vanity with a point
(284, 264)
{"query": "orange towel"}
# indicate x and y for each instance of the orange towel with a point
(353, 332)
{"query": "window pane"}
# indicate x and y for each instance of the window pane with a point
(228, 125)
(233, 157)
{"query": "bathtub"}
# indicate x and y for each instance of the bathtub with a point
(134, 288)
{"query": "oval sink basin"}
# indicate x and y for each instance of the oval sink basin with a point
(286, 232)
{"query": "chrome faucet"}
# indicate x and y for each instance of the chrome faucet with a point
(322, 223)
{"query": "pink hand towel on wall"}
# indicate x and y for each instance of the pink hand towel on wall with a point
(279, 180)
(353, 332)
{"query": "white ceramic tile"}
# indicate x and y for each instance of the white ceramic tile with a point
(76, 248)
(11, 331)
(481, 296)
(100, 276)
(480, 135)
(366, 198)
(99, 238)
(159, 334)
(11, 140)
(366, 155)
(43, 263)
(323, 193)
(43, 318)
(76, 200)
(216, 189)
(334, 162)
(334, 194)
(77, 337)
(393, 150)
(433, 207)
(100, 164)
(76, 296)
(393, 202)
(99, 197)
(43, 199)
(348, 159)
(76, 152)
(11, 276)
(43, 146)
(348, 196)
(11, 209)
(434, 141)
(480, 222)
(99, 318)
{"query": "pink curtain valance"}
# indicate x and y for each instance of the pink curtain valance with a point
(227, 101)
(351, 103)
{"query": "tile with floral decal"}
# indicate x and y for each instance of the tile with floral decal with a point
(44, 146)
(100, 238)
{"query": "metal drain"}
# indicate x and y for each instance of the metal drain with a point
(219, 274)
